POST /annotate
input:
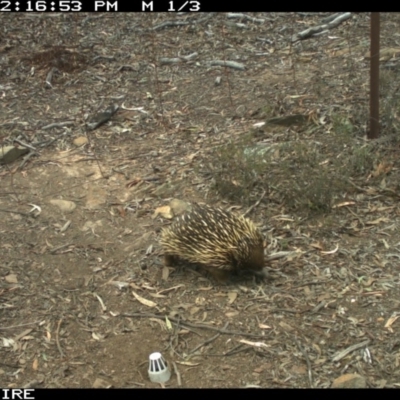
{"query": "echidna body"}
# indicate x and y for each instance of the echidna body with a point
(218, 240)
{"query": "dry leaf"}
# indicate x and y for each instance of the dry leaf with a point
(254, 344)
(232, 297)
(331, 251)
(377, 221)
(344, 204)
(23, 334)
(171, 288)
(134, 286)
(100, 384)
(382, 168)
(168, 323)
(157, 296)
(317, 246)
(35, 364)
(192, 156)
(162, 324)
(194, 310)
(190, 364)
(142, 300)
(390, 322)
(133, 182)
(164, 211)
(232, 314)
(27, 338)
(97, 336)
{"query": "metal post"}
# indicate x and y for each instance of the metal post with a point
(373, 131)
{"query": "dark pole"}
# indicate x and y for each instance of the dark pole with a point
(373, 131)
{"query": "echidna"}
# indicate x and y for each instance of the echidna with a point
(216, 239)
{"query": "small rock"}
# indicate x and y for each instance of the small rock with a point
(101, 383)
(64, 205)
(11, 278)
(80, 141)
(349, 381)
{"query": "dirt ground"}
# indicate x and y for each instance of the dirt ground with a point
(84, 296)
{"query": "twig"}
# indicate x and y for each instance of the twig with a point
(356, 186)
(200, 326)
(48, 143)
(178, 375)
(330, 18)
(3, 328)
(255, 204)
(169, 23)
(55, 249)
(341, 354)
(49, 76)
(10, 365)
(237, 349)
(15, 212)
(166, 24)
(103, 307)
(305, 355)
(58, 338)
(245, 16)
(26, 159)
(208, 340)
(58, 125)
(231, 64)
(315, 30)
(25, 144)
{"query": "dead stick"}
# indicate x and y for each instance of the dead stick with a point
(178, 375)
(208, 340)
(255, 204)
(200, 326)
(305, 355)
(58, 338)
(15, 212)
(2, 328)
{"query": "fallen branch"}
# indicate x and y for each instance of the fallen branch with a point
(58, 338)
(58, 125)
(208, 341)
(317, 30)
(231, 64)
(191, 325)
(248, 17)
(305, 355)
(341, 354)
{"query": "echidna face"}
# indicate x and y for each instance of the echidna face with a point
(253, 258)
